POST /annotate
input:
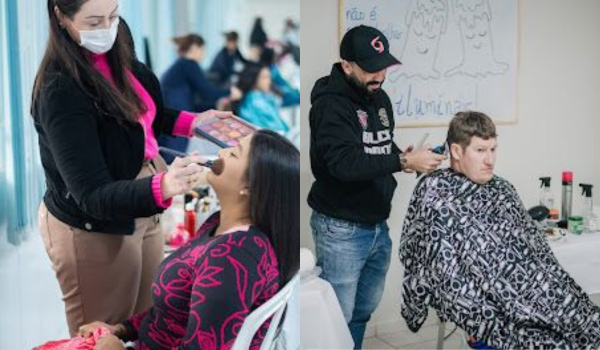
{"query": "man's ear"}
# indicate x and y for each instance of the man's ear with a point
(346, 67)
(456, 151)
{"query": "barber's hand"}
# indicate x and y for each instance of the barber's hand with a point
(211, 113)
(87, 329)
(109, 342)
(423, 160)
(407, 150)
(183, 173)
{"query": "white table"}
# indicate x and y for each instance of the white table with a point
(580, 256)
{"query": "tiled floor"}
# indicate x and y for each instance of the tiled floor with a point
(426, 338)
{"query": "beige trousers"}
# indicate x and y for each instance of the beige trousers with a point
(104, 277)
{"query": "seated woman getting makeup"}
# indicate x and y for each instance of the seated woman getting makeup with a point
(239, 258)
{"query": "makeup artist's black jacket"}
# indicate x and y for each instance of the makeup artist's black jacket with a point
(90, 160)
(352, 161)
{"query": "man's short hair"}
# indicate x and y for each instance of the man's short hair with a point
(231, 36)
(467, 124)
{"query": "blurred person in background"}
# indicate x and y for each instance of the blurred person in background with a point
(228, 61)
(291, 38)
(290, 95)
(186, 87)
(258, 39)
(259, 105)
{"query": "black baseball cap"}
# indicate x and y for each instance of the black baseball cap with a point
(368, 47)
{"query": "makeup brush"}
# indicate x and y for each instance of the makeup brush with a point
(216, 166)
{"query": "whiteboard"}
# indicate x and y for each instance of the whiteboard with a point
(456, 55)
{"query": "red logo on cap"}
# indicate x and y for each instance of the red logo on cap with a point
(377, 45)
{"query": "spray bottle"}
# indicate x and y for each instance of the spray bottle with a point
(589, 218)
(567, 196)
(547, 198)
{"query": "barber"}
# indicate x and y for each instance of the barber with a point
(353, 158)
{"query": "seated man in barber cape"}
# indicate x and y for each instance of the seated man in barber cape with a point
(472, 252)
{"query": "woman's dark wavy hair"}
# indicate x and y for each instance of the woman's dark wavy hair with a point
(274, 184)
(247, 82)
(64, 56)
(249, 76)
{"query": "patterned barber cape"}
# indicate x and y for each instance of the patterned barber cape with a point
(473, 253)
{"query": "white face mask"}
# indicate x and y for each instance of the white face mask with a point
(99, 41)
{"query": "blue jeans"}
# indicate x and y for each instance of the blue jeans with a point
(355, 259)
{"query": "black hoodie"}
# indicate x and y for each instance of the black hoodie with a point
(352, 152)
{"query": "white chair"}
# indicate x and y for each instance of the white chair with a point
(274, 307)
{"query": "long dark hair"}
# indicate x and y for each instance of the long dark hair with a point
(247, 82)
(267, 57)
(249, 77)
(63, 55)
(274, 184)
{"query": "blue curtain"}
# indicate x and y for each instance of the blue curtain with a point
(164, 30)
(155, 20)
(25, 30)
(33, 26)
(15, 170)
(133, 11)
(4, 112)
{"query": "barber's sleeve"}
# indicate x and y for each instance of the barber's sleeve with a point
(339, 138)
(69, 121)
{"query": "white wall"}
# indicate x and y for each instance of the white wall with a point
(558, 104)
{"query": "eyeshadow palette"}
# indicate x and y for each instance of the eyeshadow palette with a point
(224, 132)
